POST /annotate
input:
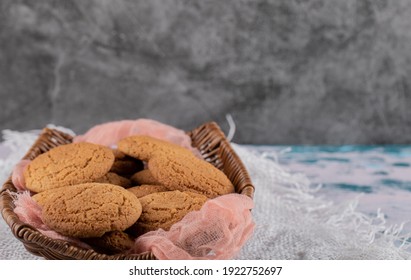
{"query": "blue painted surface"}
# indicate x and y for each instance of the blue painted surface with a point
(379, 176)
(384, 166)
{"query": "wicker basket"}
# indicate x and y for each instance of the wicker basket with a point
(208, 138)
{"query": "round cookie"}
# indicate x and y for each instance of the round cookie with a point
(144, 147)
(144, 190)
(163, 209)
(188, 173)
(115, 179)
(177, 168)
(143, 177)
(90, 210)
(112, 242)
(41, 197)
(68, 164)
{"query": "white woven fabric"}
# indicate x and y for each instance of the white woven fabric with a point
(292, 221)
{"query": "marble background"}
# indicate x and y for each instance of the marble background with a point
(288, 71)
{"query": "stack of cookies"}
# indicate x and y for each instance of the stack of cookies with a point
(108, 197)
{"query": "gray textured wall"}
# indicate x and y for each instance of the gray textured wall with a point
(288, 71)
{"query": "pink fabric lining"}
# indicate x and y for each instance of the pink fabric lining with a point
(17, 176)
(217, 231)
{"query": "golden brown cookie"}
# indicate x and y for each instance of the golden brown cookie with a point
(143, 177)
(144, 147)
(109, 178)
(188, 173)
(112, 242)
(113, 178)
(42, 197)
(90, 210)
(68, 164)
(163, 209)
(144, 190)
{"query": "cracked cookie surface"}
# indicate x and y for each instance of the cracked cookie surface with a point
(144, 190)
(176, 168)
(68, 164)
(143, 177)
(114, 179)
(188, 173)
(163, 209)
(90, 210)
(144, 147)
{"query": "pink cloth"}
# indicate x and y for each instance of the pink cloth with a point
(217, 231)
(108, 134)
(17, 176)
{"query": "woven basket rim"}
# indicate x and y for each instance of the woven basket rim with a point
(208, 138)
